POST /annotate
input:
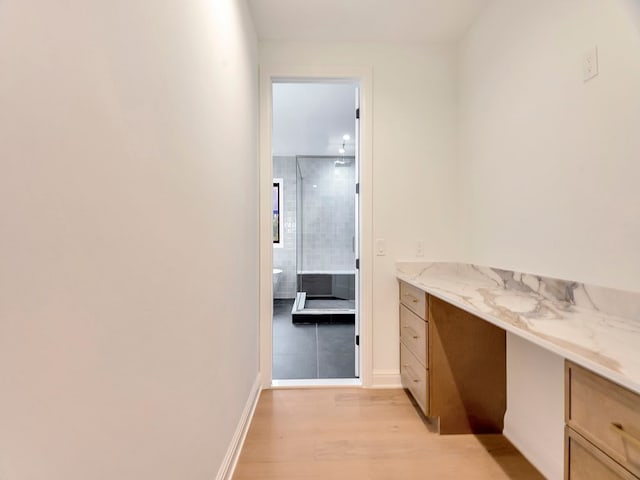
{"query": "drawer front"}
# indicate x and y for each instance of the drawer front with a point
(586, 462)
(414, 378)
(605, 414)
(413, 333)
(414, 299)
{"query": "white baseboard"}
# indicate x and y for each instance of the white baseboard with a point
(386, 379)
(233, 452)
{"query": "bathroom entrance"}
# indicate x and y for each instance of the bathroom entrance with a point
(315, 231)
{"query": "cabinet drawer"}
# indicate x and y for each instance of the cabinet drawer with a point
(414, 378)
(605, 414)
(413, 333)
(414, 299)
(586, 462)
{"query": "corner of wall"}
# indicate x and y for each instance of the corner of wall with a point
(386, 379)
(230, 460)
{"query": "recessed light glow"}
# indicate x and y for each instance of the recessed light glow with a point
(346, 137)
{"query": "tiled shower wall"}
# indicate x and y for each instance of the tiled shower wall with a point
(285, 257)
(328, 215)
(327, 219)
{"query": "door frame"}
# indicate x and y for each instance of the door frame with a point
(362, 75)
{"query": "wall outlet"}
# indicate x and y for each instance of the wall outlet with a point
(420, 249)
(380, 248)
(590, 64)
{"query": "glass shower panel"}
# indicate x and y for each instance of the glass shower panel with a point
(327, 214)
(325, 239)
(299, 196)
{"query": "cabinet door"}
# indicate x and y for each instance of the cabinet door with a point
(414, 299)
(604, 413)
(413, 333)
(414, 378)
(586, 462)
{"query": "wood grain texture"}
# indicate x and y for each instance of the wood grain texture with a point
(414, 341)
(584, 461)
(414, 298)
(593, 404)
(414, 334)
(415, 378)
(354, 433)
(467, 371)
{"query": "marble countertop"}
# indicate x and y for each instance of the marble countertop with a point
(596, 327)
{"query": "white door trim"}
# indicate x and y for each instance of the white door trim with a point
(364, 76)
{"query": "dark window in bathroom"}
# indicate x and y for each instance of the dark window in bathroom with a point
(277, 197)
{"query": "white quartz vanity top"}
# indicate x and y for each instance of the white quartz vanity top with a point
(596, 327)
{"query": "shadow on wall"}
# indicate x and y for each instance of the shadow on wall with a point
(632, 10)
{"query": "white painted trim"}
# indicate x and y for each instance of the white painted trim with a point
(386, 379)
(364, 76)
(317, 383)
(266, 252)
(225, 472)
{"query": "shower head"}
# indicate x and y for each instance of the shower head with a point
(343, 162)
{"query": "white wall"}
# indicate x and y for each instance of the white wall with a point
(413, 162)
(534, 421)
(548, 162)
(549, 165)
(128, 236)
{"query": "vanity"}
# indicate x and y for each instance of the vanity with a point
(453, 320)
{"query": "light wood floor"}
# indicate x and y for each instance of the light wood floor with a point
(365, 434)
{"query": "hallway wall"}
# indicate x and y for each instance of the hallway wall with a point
(128, 236)
(548, 162)
(549, 171)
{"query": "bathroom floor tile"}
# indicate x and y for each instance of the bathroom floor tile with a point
(336, 365)
(310, 351)
(295, 339)
(301, 366)
(336, 339)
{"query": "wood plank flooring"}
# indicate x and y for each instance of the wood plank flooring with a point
(353, 433)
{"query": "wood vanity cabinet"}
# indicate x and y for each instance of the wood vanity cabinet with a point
(602, 432)
(453, 363)
(414, 331)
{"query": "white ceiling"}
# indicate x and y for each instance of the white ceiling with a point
(311, 118)
(364, 20)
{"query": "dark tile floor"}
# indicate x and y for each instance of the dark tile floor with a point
(310, 351)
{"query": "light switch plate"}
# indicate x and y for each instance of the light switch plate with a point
(380, 247)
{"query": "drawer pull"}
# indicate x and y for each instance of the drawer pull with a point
(412, 332)
(617, 428)
(411, 297)
(411, 373)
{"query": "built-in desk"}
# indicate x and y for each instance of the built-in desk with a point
(596, 329)
(453, 363)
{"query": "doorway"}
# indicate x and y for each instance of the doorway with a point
(315, 322)
(361, 76)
